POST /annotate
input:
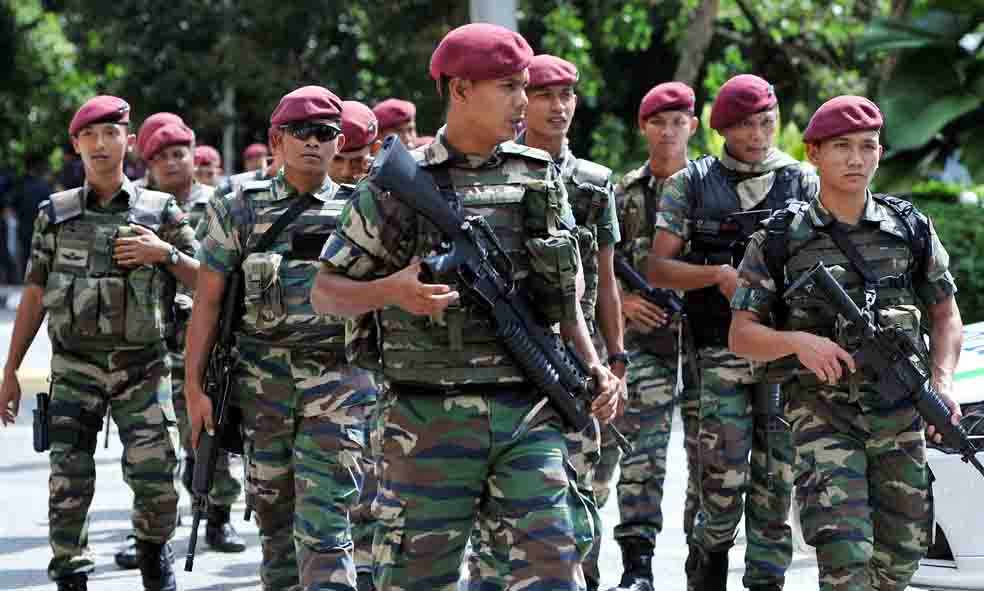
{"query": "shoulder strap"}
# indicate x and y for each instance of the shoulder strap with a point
(776, 251)
(296, 208)
(915, 224)
(843, 242)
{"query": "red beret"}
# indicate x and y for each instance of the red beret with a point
(842, 115)
(359, 126)
(668, 96)
(172, 134)
(307, 102)
(152, 124)
(549, 70)
(100, 109)
(207, 155)
(255, 151)
(740, 97)
(480, 51)
(393, 112)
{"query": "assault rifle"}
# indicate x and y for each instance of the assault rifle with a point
(482, 269)
(226, 418)
(890, 358)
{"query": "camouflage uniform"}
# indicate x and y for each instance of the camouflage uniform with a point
(652, 385)
(458, 437)
(727, 433)
(589, 190)
(107, 327)
(861, 476)
(303, 406)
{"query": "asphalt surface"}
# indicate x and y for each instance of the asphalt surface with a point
(24, 551)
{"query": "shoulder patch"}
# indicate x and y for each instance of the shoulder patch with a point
(511, 148)
(586, 171)
(64, 205)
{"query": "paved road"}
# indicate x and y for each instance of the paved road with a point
(24, 551)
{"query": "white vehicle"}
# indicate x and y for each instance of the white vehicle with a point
(956, 553)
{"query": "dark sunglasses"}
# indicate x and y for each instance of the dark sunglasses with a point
(323, 132)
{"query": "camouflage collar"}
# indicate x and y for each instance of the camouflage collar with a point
(565, 159)
(280, 189)
(127, 188)
(874, 212)
(643, 174)
(440, 151)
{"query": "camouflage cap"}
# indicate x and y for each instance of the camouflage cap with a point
(740, 97)
(207, 155)
(480, 51)
(842, 115)
(668, 96)
(172, 134)
(307, 102)
(152, 124)
(549, 70)
(100, 109)
(359, 126)
(394, 112)
(255, 150)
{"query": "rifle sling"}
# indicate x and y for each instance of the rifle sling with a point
(843, 242)
(268, 237)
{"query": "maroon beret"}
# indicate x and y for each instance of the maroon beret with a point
(740, 97)
(480, 51)
(152, 124)
(100, 109)
(307, 102)
(359, 126)
(255, 151)
(549, 70)
(207, 155)
(668, 96)
(394, 112)
(172, 134)
(842, 115)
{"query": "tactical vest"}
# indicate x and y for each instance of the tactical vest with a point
(715, 197)
(277, 282)
(460, 346)
(93, 303)
(588, 191)
(889, 255)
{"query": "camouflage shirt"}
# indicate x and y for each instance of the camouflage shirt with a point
(756, 292)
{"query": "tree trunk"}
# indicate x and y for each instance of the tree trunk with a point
(699, 34)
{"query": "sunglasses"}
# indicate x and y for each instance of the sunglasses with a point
(323, 132)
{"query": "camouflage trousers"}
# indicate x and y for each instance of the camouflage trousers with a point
(303, 418)
(447, 460)
(225, 486)
(733, 472)
(137, 387)
(862, 488)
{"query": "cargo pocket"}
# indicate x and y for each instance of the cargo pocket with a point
(112, 299)
(144, 323)
(57, 303)
(85, 307)
(265, 308)
(554, 265)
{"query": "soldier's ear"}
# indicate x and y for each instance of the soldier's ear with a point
(458, 89)
(694, 125)
(813, 153)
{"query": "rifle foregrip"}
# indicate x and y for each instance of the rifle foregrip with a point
(932, 408)
(205, 456)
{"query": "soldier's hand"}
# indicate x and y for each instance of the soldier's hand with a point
(607, 390)
(199, 413)
(822, 356)
(146, 248)
(727, 281)
(417, 297)
(943, 387)
(10, 397)
(648, 315)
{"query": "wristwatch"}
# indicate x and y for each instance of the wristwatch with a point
(172, 257)
(620, 356)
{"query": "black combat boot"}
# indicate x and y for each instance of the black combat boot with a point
(771, 587)
(188, 475)
(155, 561)
(637, 564)
(592, 583)
(707, 571)
(219, 533)
(126, 558)
(72, 583)
(365, 582)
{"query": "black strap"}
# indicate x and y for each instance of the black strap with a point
(296, 209)
(843, 242)
(776, 251)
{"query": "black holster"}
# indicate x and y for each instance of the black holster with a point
(41, 422)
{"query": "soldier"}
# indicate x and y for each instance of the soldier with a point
(399, 117)
(360, 128)
(697, 219)
(107, 300)
(303, 407)
(349, 166)
(552, 101)
(666, 121)
(464, 435)
(862, 480)
(147, 129)
(208, 165)
(255, 157)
